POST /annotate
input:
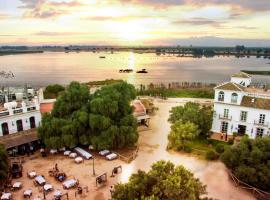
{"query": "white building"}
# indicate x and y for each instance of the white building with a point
(19, 116)
(241, 109)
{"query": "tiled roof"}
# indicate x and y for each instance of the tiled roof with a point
(230, 86)
(46, 107)
(254, 102)
(241, 75)
(20, 138)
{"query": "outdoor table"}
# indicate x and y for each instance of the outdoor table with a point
(73, 155)
(69, 183)
(17, 185)
(66, 153)
(53, 151)
(78, 159)
(6, 196)
(27, 193)
(47, 187)
(40, 180)
(57, 193)
(32, 174)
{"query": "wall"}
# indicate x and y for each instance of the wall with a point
(234, 112)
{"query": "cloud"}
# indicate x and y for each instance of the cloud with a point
(199, 22)
(46, 9)
(116, 18)
(251, 5)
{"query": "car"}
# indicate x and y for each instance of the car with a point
(104, 152)
(111, 156)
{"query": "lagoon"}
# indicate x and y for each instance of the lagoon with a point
(60, 67)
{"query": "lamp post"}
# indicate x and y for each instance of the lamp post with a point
(94, 174)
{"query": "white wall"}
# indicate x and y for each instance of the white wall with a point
(234, 112)
(228, 96)
(24, 117)
(238, 80)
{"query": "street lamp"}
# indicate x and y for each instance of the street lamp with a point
(94, 174)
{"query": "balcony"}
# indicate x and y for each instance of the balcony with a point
(258, 123)
(225, 117)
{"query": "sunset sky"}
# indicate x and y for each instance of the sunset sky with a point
(135, 22)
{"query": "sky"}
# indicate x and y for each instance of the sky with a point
(135, 22)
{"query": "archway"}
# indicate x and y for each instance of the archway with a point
(5, 130)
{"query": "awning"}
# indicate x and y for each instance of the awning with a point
(139, 118)
(17, 139)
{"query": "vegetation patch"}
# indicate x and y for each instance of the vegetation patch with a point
(103, 119)
(265, 73)
(53, 91)
(4, 167)
(163, 181)
(180, 93)
(249, 161)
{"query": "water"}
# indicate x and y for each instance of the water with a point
(59, 67)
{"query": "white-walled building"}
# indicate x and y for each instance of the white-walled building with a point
(19, 116)
(241, 109)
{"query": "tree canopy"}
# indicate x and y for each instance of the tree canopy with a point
(192, 112)
(53, 91)
(3, 164)
(163, 181)
(250, 161)
(103, 119)
(181, 133)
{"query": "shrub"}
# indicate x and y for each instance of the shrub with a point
(230, 141)
(220, 148)
(187, 148)
(211, 155)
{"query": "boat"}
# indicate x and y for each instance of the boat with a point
(102, 57)
(125, 70)
(143, 71)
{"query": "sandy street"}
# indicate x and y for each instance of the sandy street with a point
(152, 147)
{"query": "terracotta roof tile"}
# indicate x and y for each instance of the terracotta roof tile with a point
(230, 86)
(253, 102)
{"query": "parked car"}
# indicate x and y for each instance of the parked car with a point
(111, 156)
(104, 152)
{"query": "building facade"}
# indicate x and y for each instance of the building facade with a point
(19, 116)
(240, 109)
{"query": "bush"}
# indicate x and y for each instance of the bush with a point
(187, 148)
(211, 155)
(230, 141)
(220, 148)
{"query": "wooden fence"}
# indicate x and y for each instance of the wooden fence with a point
(128, 159)
(259, 194)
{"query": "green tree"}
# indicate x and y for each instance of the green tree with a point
(163, 181)
(250, 161)
(103, 119)
(53, 91)
(200, 115)
(181, 133)
(4, 167)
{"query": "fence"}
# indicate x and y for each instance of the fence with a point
(259, 194)
(128, 159)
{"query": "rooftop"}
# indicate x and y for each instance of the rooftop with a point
(255, 102)
(230, 86)
(241, 75)
(46, 107)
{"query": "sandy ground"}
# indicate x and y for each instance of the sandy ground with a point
(152, 147)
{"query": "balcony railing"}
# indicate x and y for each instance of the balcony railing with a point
(258, 123)
(225, 117)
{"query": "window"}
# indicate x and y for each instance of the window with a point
(262, 119)
(234, 98)
(224, 127)
(260, 132)
(226, 113)
(243, 116)
(221, 96)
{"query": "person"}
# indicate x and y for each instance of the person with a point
(111, 190)
(222, 135)
(56, 167)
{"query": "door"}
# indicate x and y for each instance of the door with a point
(241, 130)
(19, 125)
(5, 130)
(32, 122)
